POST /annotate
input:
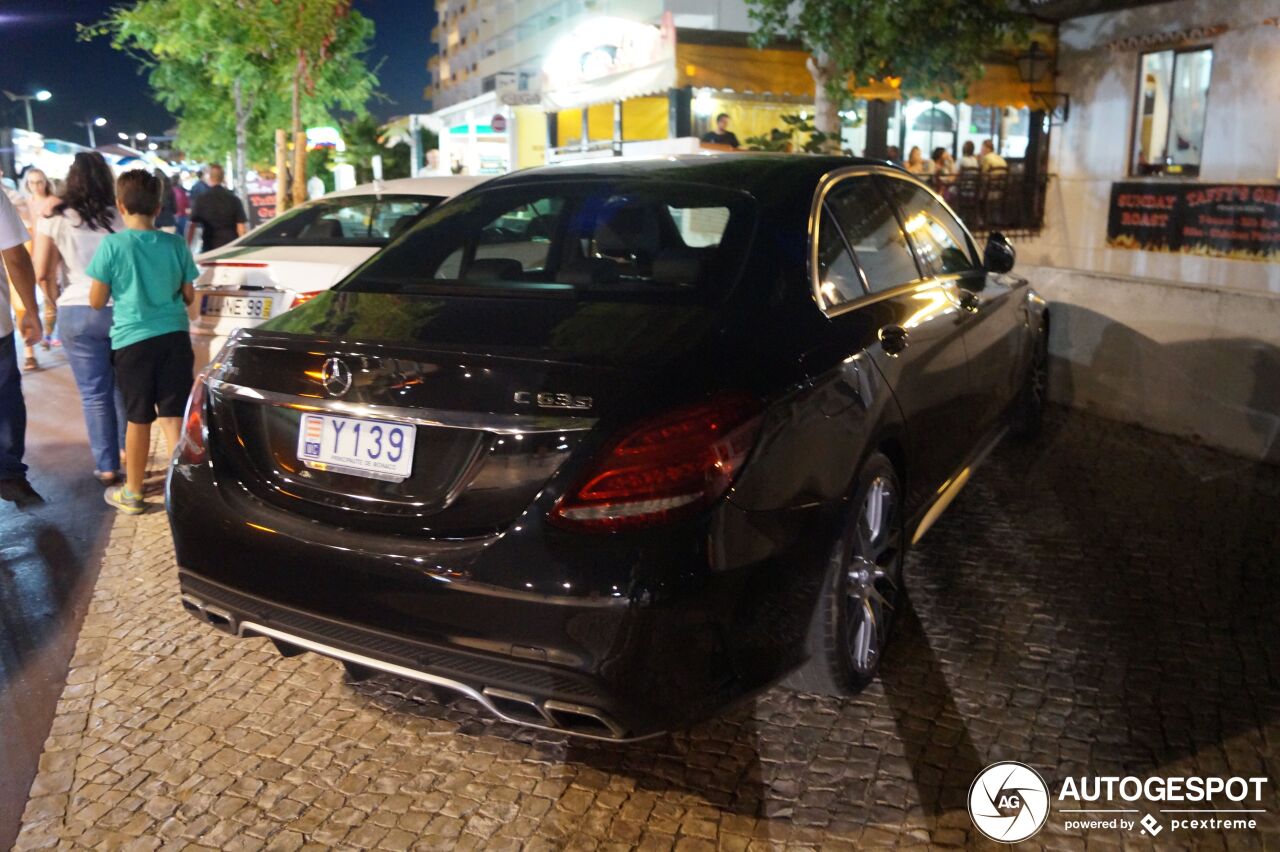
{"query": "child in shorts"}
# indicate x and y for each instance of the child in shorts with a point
(147, 274)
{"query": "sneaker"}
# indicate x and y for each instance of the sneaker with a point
(19, 492)
(107, 477)
(119, 497)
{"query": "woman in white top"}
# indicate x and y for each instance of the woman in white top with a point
(67, 237)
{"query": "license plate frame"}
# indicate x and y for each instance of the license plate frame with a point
(341, 444)
(264, 305)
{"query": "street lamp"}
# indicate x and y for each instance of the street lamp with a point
(140, 136)
(90, 123)
(42, 95)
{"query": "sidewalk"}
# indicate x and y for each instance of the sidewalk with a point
(49, 560)
(1102, 601)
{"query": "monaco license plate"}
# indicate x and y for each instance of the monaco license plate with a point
(377, 449)
(245, 307)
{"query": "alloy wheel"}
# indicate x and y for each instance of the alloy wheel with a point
(872, 576)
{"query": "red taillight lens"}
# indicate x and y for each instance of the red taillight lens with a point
(664, 468)
(303, 298)
(192, 449)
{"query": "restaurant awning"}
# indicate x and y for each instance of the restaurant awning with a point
(609, 59)
(782, 71)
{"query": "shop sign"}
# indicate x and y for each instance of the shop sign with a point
(1240, 221)
(261, 191)
(609, 59)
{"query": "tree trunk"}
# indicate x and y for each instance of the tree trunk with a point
(242, 144)
(299, 192)
(826, 109)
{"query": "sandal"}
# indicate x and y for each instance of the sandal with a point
(31, 363)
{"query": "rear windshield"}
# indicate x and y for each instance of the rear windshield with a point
(567, 239)
(353, 220)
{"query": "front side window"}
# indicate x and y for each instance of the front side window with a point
(871, 229)
(592, 237)
(940, 241)
(1173, 98)
(356, 220)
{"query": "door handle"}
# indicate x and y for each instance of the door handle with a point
(969, 301)
(893, 339)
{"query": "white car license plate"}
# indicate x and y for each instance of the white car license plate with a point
(245, 307)
(373, 448)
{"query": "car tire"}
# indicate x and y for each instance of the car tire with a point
(1028, 409)
(853, 620)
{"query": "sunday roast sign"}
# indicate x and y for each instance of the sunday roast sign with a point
(1240, 221)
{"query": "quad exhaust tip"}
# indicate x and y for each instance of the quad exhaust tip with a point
(563, 717)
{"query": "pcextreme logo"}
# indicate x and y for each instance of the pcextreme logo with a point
(1010, 802)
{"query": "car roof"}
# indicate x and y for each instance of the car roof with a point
(755, 172)
(447, 186)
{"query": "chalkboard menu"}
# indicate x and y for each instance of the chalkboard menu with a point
(261, 190)
(1239, 221)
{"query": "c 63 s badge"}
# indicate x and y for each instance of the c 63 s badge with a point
(553, 400)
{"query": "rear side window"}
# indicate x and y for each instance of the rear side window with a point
(838, 278)
(872, 231)
(594, 237)
(939, 239)
(359, 220)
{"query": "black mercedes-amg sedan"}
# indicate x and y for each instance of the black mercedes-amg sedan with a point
(608, 446)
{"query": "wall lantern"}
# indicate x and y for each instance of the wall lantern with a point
(1034, 66)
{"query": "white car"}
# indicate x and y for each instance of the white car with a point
(301, 253)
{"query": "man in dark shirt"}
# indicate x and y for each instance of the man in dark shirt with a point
(722, 135)
(217, 212)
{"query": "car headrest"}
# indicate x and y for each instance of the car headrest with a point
(629, 229)
(323, 229)
(493, 269)
(401, 224)
(679, 266)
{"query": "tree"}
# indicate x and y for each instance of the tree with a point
(218, 66)
(932, 46)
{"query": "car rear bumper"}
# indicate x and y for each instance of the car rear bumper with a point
(519, 692)
(684, 641)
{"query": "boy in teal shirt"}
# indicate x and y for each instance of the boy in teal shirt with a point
(147, 274)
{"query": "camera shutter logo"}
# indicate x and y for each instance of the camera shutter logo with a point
(336, 377)
(1008, 802)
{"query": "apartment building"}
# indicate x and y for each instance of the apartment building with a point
(487, 78)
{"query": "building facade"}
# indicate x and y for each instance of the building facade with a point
(1161, 238)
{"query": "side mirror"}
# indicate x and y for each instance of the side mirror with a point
(999, 254)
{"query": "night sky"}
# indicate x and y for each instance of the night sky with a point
(39, 50)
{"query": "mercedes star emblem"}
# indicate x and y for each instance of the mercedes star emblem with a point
(336, 377)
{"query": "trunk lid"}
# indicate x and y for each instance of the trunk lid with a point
(493, 422)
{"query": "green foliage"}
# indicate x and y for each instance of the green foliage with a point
(364, 139)
(811, 140)
(197, 52)
(932, 46)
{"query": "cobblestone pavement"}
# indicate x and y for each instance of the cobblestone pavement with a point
(1103, 601)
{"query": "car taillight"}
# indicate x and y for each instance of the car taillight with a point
(303, 298)
(663, 468)
(192, 448)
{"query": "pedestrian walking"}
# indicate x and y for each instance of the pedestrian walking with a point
(15, 268)
(148, 275)
(40, 201)
(168, 219)
(217, 212)
(181, 207)
(67, 239)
